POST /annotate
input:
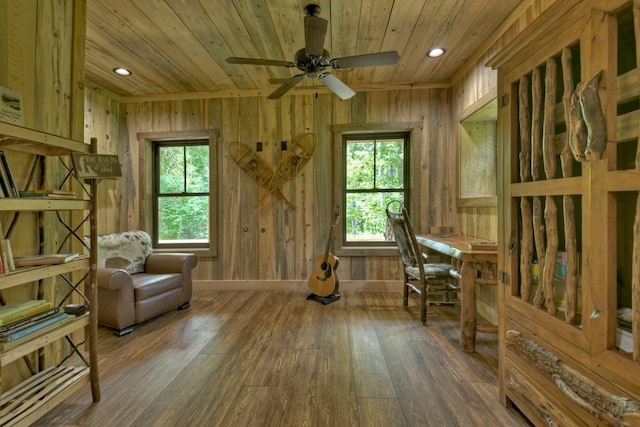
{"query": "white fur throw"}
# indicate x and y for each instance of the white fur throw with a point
(127, 250)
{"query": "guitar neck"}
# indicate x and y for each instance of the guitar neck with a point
(328, 247)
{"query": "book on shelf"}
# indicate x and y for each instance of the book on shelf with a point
(14, 341)
(28, 320)
(4, 192)
(2, 269)
(6, 174)
(19, 310)
(48, 194)
(5, 188)
(50, 191)
(6, 253)
(35, 327)
(46, 259)
(2, 263)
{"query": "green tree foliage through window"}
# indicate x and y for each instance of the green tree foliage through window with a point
(375, 174)
(182, 193)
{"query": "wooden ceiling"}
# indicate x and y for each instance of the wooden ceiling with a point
(177, 48)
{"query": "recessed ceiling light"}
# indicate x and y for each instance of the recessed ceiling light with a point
(122, 71)
(436, 52)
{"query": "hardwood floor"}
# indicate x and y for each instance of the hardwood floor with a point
(275, 359)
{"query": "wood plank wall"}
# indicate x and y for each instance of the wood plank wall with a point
(271, 242)
(52, 104)
(278, 245)
(474, 88)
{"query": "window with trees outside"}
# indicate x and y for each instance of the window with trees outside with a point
(181, 194)
(375, 174)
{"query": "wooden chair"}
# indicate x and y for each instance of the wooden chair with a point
(426, 279)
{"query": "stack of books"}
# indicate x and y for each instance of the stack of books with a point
(22, 319)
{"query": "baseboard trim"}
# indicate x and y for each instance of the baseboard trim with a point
(294, 285)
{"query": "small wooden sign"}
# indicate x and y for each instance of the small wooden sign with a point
(97, 165)
(11, 107)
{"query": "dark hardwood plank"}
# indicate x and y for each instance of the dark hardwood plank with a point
(239, 358)
(375, 412)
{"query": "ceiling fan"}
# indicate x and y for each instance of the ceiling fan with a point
(313, 59)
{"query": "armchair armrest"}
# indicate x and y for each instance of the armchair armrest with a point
(115, 295)
(113, 279)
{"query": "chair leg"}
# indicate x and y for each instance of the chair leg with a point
(405, 292)
(423, 304)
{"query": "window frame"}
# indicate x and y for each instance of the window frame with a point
(146, 184)
(413, 186)
(375, 136)
(156, 145)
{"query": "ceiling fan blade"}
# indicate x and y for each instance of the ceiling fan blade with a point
(337, 86)
(315, 29)
(284, 88)
(256, 61)
(368, 60)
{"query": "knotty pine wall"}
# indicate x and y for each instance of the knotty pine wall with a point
(271, 242)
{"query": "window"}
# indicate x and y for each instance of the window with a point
(181, 194)
(375, 174)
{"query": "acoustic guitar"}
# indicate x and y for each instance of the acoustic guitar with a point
(324, 280)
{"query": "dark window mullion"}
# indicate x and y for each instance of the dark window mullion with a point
(184, 169)
(375, 165)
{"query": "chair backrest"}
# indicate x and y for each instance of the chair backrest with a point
(405, 237)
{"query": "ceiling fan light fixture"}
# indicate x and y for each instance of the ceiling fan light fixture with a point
(436, 52)
(313, 59)
(121, 71)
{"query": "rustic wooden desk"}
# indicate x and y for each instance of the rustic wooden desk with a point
(459, 248)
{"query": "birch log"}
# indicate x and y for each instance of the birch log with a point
(566, 160)
(536, 127)
(549, 123)
(536, 159)
(551, 221)
(539, 234)
(526, 244)
(550, 166)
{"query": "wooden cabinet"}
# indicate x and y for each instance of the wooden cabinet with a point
(53, 381)
(569, 228)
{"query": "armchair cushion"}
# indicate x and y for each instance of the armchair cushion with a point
(150, 285)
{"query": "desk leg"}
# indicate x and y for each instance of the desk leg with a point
(468, 321)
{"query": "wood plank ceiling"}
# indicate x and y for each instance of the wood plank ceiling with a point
(177, 48)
